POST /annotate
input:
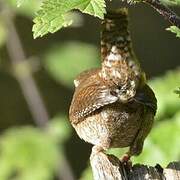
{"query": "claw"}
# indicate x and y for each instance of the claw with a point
(125, 158)
(126, 161)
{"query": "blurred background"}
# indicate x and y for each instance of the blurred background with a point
(37, 141)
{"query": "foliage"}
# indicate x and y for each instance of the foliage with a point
(177, 91)
(28, 153)
(168, 103)
(171, 2)
(20, 2)
(175, 30)
(164, 149)
(52, 15)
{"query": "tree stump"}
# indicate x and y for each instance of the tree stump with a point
(109, 167)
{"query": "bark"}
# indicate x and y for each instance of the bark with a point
(109, 167)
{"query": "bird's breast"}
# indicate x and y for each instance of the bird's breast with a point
(114, 125)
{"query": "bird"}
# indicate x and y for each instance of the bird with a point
(113, 106)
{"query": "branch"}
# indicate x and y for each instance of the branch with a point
(24, 76)
(167, 13)
(109, 167)
(28, 85)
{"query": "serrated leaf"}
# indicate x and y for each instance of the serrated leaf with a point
(93, 7)
(52, 15)
(174, 29)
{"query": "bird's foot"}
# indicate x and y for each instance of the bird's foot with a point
(125, 158)
(127, 163)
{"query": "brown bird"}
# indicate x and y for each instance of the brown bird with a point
(112, 106)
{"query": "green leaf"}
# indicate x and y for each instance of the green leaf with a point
(177, 91)
(164, 86)
(20, 2)
(64, 62)
(93, 7)
(28, 153)
(175, 30)
(171, 2)
(52, 15)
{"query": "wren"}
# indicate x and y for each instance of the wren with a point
(112, 106)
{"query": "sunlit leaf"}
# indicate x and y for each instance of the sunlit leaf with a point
(171, 2)
(168, 103)
(52, 15)
(162, 145)
(174, 29)
(27, 152)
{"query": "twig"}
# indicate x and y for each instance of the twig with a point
(167, 13)
(29, 87)
(24, 77)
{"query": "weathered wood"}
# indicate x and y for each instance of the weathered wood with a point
(172, 172)
(109, 167)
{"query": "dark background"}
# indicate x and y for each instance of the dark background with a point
(158, 51)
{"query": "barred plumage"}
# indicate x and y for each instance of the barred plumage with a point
(113, 106)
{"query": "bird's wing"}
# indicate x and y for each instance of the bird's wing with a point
(88, 97)
(146, 96)
(85, 74)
